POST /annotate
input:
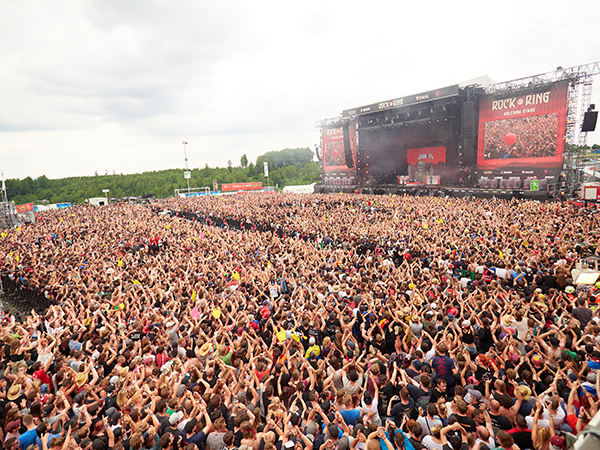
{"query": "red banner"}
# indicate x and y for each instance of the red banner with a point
(334, 156)
(25, 207)
(429, 155)
(527, 130)
(241, 186)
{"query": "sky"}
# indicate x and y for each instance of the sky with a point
(116, 86)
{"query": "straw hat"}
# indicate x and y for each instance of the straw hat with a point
(14, 392)
(507, 320)
(205, 349)
(80, 379)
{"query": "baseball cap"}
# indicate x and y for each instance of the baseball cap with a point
(175, 417)
(557, 443)
(455, 441)
(473, 394)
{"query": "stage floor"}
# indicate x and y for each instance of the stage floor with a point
(451, 191)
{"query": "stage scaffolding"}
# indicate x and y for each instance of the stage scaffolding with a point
(579, 98)
(8, 215)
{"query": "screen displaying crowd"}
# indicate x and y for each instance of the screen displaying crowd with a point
(272, 322)
(334, 153)
(535, 137)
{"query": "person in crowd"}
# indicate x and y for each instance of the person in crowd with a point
(271, 321)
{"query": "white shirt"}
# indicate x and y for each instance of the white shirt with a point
(372, 408)
(429, 355)
(427, 424)
(428, 442)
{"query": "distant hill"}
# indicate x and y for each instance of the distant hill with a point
(290, 166)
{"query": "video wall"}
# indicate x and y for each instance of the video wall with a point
(334, 156)
(523, 133)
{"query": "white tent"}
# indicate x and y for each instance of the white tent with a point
(300, 189)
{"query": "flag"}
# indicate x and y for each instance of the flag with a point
(500, 253)
(236, 276)
(195, 313)
(17, 258)
(194, 296)
(281, 337)
(216, 313)
(136, 282)
(268, 265)
(120, 262)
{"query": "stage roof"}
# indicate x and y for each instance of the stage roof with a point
(449, 91)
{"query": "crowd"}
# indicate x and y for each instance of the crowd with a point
(272, 322)
(536, 137)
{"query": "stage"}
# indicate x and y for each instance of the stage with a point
(438, 191)
(509, 138)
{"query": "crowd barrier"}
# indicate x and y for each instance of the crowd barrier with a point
(22, 298)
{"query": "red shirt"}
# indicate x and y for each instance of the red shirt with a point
(43, 377)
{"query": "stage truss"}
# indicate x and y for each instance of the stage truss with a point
(8, 215)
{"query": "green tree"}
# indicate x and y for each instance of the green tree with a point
(244, 161)
(287, 167)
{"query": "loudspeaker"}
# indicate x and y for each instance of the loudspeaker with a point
(469, 153)
(347, 149)
(589, 121)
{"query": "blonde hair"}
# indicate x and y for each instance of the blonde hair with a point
(443, 410)
(373, 444)
(122, 398)
(543, 437)
(501, 386)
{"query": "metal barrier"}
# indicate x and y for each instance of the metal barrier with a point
(21, 298)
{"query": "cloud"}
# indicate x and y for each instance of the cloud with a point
(87, 84)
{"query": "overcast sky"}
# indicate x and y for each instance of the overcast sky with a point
(118, 85)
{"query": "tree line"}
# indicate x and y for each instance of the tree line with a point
(287, 167)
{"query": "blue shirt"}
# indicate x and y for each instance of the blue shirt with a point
(38, 441)
(350, 416)
(26, 439)
(444, 368)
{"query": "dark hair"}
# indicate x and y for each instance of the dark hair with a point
(228, 438)
(353, 375)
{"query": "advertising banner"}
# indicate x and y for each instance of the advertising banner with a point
(523, 132)
(241, 186)
(25, 207)
(334, 156)
(433, 155)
